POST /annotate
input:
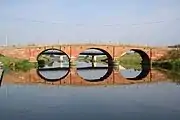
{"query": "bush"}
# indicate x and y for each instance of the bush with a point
(16, 64)
(41, 63)
(166, 65)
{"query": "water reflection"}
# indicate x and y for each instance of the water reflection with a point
(53, 65)
(53, 75)
(171, 75)
(92, 71)
(73, 78)
(89, 72)
(93, 61)
(130, 73)
(143, 72)
(135, 60)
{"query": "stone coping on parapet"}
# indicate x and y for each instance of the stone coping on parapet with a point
(86, 44)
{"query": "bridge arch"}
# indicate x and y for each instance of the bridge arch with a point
(145, 63)
(107, 69)
(51, 52)
(143, 54)
(105, 52)
(56, 55)
(145, 57)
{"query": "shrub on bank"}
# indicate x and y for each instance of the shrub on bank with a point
(16, 64)
(23, 65)
(41, 63)
(170, 65)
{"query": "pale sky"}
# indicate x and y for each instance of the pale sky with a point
(95, 21)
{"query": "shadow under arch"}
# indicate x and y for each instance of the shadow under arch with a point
(58, 52)
(109, 68)
(145, 65)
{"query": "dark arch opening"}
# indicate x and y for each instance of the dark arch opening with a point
(2, 75)
(145, 65)
(46, 60)
(108, 60)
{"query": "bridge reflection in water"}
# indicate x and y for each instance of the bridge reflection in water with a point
(73, 78)
(54, 68)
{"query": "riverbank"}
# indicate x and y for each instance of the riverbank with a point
(170, 61)
(16, 64)
(171, 75)
(168, 64)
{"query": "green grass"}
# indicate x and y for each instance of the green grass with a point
(132, 60)
(168, 64)
(16, 64)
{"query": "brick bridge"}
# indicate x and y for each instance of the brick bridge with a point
(73, 51)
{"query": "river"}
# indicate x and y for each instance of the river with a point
(26, 96)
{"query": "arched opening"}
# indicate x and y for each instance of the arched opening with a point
(134, 64)
(94, 64)
(53, 64)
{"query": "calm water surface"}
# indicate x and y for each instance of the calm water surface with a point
(145, 101)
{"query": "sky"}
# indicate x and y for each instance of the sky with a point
(142, 22)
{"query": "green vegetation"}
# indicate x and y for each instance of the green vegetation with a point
(170, 61)
(41, 63)
(130, 60)
(45, 58)
(172, 75)
(168, 64)
(16, 64)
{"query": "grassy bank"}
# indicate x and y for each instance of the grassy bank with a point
(170, 61)
(16, 64)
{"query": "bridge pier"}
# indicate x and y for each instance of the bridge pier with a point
(94, 64)
(72, 61)
(115, 61)
(61, 58)
(61, 64)
(94, 58)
